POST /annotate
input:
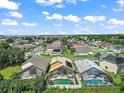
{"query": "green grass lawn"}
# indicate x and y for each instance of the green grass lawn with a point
(115, 77)
(69, 56)
(98, 89)
(68, 51)
(7, 72)
(101, 89)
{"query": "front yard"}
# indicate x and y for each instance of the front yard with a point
(9, 71)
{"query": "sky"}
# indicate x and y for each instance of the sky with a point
(61, 17)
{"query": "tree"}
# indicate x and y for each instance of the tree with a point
(10, 40)
(64, 40)
(10, 56)
(122, 80)
(98, 56)
(39, 85)
(4, 44)
(1, 77)
(36, 85)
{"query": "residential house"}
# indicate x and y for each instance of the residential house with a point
(92, 74)
(80, 49)
(76, 41)
(21, 41)
(122, 49)
(2, 39)
(112, 64)
(62, 74)
(33, 67)
(38, 42)
(103, 44)
(22, 46)
(55, 48)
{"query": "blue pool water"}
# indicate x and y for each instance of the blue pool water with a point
(93, 82)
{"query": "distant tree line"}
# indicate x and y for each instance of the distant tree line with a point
(115, 39)
(50, 40)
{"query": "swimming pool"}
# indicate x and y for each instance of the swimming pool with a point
(62, 81)
(93, 82)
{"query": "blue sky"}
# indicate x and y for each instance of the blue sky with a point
(52, 17)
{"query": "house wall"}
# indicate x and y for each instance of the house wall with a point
(109, 66)
(24, 66)
(61, 71)
(49, 50)
(96, 74)
(121, 67)
(28, 74)
(65, 86)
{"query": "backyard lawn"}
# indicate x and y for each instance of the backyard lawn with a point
(115, 77)
(7, 72)
(68, 56)
(84, 90)
(68, 51)
(101, 89)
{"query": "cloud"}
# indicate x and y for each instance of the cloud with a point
(45, 13)
(121, 6)
(7, 4)
(77, 25)
(86, 30)
(72, 18)
(1, 33)
(44, 33)
(120, 2)
(62, 33)
(111, 27)
(82, 31)
(84, 0)
(55, 17)
(60, 6)
(41, 1)
(116, 22)
(118, 10)
(57, 3)
(94, 19)
(18, 32)
(29, 24)
(15, 14)
(71, 1)
(103, 6)
(9, 22)
(48, 2)
(76, 32)
(58, 25)
(59, 17)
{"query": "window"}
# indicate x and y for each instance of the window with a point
(106, 67)
(32, 71)
(68, 64)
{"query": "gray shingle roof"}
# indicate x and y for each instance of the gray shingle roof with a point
(114, 59)
(55, 44)
(84, 65)
(40, 63)
(83, 50)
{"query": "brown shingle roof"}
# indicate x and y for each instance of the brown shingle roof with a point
(78, 45)
(104, 44)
